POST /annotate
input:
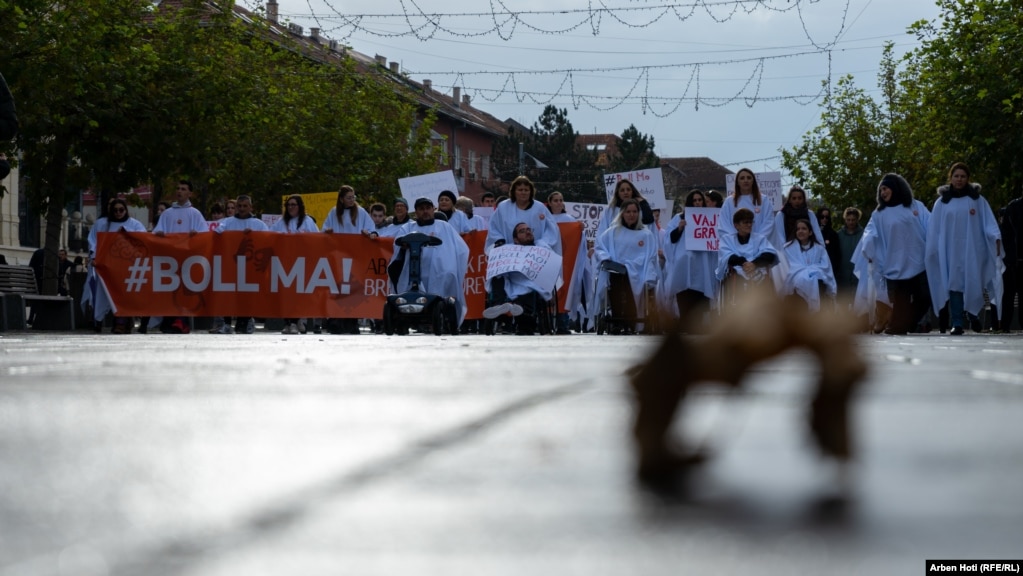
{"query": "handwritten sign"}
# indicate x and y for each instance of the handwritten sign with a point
(701, 229)
(770, 188)
(427, 186)
(649, 183)
(588, 214)
(537, 263)
(271, 219)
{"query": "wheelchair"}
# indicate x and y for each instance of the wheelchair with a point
(538, 317)
(616, 308)
(733, 288)
(414, 308)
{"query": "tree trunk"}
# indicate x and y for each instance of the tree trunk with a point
(56, 177)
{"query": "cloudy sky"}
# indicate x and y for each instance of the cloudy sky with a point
(755, 67)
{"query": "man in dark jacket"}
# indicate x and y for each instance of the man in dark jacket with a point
(8, 123)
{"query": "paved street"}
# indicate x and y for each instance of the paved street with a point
(265, 454)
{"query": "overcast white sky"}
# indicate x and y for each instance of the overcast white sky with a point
(726, 38)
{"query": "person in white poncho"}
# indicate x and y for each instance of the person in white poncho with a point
(689, 274)
(442, 267)
(744, 253)
(894, 244)
(348, 217)
(964, 249)
(95, 293)
(629, 243)
(809, 273)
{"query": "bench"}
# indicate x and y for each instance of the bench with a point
(18, 292)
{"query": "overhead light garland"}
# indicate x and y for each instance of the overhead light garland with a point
(504, 22)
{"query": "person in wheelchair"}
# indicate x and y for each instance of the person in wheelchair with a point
(630, 245)
(809, 274)
(515, 294)
(442, 268)
(745, 254)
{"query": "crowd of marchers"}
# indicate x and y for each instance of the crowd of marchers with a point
(910, 268)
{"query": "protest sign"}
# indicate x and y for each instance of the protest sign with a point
(701, 229)
(649, 183)
(538, 264)
(588, 214)
(427, 186)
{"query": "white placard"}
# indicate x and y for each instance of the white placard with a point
(270, 219)
(427, 186)
(701, 229)
(588, 214)
(484, 212)
(770, 188)
(649, 183)
(537, 263)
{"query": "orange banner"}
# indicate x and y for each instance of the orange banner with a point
(270, 275)
(571, 238)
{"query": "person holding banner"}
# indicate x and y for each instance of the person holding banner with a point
(442, 268)
(746, 195)
(632, 244)
(689, 274)
(294, 221)
(180, 218)
(456, 218)
(243, 220)
(581, 276)
(624, 190)
(399, 219)
(347, 217)
(95, 292)
(809, 272)
(523, 209)
(465, 206)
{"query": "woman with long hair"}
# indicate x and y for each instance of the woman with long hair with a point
(624, 190)
(689, 274)
(294, 220)
(794, 209)
(746, 194)
(347, 217)
(116, 220)
(894, 242)
(632, 244)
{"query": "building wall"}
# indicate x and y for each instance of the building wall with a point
(474, 148)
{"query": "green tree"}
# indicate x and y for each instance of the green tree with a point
(958, 97)
(635, 152)
(567, 166)
(965, 88)
(75, 70)
(841, 160)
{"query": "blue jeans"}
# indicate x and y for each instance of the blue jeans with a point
(955, 308)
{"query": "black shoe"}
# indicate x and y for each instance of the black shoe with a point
(975, 324)
(956, 331)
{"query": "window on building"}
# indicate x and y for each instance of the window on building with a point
(458, 160)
